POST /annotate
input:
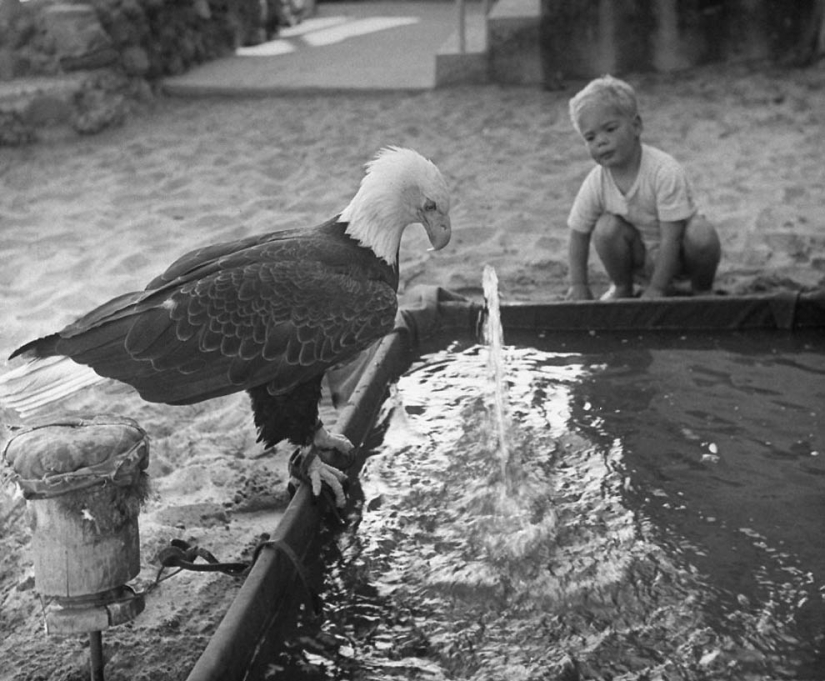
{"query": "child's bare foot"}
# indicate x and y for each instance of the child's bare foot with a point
(615, 292)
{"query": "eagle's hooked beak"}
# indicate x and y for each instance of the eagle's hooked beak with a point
(438, 228)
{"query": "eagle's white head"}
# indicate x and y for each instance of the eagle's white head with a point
(400, 188)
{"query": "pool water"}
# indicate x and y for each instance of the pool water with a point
(658, 512)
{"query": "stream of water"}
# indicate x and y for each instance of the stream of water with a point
(493, 336)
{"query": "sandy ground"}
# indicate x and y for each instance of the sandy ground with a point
(82, 220)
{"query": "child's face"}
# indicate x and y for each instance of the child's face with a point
(612, 138)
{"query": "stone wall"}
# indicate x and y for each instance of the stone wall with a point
(83, 64)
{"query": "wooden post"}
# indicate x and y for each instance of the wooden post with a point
(77, 554)
(96, 655)
(84, 483)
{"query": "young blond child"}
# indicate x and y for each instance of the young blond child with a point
(636, 205)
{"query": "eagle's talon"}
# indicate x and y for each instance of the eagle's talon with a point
(319, 473)
(307, 466)
(334, 449)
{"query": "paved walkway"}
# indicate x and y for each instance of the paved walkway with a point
(346, 46)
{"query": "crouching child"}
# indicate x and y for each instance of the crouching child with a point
(636, 206)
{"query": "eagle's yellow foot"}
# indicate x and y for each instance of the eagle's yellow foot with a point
(318, 473)
(325, 440)
(313, 468)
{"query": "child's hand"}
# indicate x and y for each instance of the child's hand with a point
(579, 292)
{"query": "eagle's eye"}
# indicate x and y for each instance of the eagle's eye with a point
(429, 204)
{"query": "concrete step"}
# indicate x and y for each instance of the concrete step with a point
(513, 42)
(470, 66)
(501, 48)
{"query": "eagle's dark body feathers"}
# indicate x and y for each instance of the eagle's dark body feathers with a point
(268, 314)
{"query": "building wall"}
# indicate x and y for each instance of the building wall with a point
(587, 38)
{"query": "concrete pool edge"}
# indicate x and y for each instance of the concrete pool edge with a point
(273, 580)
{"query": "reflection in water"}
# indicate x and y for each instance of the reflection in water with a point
(664, 522)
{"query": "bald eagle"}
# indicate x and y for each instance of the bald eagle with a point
(268, 314)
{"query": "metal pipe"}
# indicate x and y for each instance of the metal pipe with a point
(96, 655)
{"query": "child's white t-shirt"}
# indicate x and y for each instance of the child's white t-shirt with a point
(660, 193)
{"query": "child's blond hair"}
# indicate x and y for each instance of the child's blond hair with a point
(608, 90)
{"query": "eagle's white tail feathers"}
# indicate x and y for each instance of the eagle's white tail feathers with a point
(39, 383)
